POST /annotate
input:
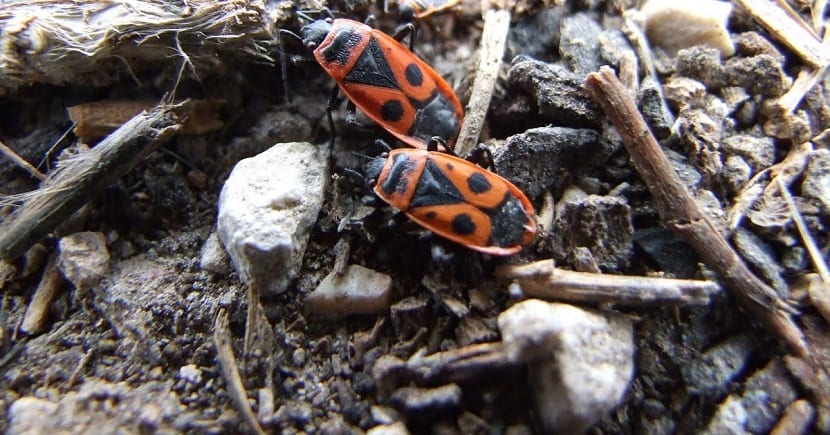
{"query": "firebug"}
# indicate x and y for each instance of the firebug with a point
(386, 81)
(455, 199)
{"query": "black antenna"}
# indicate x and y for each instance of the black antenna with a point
(283, 63)
(362, 156)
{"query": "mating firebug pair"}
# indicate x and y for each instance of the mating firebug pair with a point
(452, 197)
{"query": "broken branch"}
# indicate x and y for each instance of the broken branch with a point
(680, 211)
(544, 281)
(83, 177)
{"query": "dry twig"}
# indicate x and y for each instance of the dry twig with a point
(818, 289)
(544, 281)
(230, 372)
(74, 184)
(21, 162)
(469, 363)
(679, 210)
(762, 184)
(493, 41)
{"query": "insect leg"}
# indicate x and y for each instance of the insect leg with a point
(437, 143)
(482, 156)
(330, 106)
(283, 63)
(382, 144)
(402, 31)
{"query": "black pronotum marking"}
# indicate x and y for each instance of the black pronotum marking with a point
(478, 183)
(463, 225)
(342, 46)
(372, 68)
(414, 75)
(391, 111)
(434, 188)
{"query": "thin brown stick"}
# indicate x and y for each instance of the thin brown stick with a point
(230, 371)
(680, 212)
(80, 179)
(469, 363)
(544, 281)
(21, 162)
(493, 41)
(806, 238)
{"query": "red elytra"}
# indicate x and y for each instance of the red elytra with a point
(386, 81)
(455, 199)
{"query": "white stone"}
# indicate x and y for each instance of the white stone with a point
(213, 257)
(267, 208)
(359, 290)
(581, 361)
(30, 415)
(397, 428)
(675, 25)
(83, 258)
(190, 373)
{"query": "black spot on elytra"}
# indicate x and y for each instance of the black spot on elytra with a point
(431, 215)
(391, 111)
(463, 225)
(450, 167)
(414, 75)
(478, 183)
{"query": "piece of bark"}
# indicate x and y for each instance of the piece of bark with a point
(100, 118)
(34, 321)
(679, 210)
(83, 177)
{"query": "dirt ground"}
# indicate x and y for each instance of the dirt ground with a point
(136, 350)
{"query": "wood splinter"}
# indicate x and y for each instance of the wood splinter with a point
(679, 210)
(544, 281)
